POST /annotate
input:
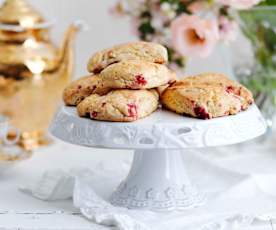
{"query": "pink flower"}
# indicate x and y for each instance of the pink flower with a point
(239, 4)
(228, 29)
(192, 36)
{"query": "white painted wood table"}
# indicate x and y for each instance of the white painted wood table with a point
(20, 211)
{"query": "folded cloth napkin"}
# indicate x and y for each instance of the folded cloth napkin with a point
(234, 199)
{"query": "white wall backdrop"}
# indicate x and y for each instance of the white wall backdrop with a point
(106, 31)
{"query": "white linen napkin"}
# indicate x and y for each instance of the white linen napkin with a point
(234, 199)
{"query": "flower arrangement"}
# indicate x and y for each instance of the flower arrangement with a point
(188, 28)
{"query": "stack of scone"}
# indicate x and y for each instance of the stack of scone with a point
(127, 80)
(123, 83)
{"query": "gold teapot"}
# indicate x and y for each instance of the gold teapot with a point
(33, 71)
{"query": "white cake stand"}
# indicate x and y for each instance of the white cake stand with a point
(157, 179)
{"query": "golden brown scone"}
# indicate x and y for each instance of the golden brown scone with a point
(79, 89)
(221, 80)
(145, 51)
(119, 105)
(207, 96)
(135, 75)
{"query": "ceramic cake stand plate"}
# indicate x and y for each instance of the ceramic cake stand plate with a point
(157, 179)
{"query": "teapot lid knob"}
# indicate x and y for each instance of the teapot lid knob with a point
(19, 13)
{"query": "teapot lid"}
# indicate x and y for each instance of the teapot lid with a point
(19, 14)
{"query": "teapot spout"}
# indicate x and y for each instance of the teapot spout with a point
(66, 53)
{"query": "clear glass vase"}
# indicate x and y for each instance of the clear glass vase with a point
(259, 26)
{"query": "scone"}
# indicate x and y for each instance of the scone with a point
(136, 75)
(217, 79)
(146, 51)
(74, 93)
(119, 105)
(207, 98)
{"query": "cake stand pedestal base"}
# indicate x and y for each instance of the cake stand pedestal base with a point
(157, 181)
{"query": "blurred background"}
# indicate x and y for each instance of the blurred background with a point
(105, 30)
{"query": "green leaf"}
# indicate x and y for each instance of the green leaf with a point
(259, 24)
(268, 3)
(145, 28)
(180, 62)
(256, 15)
(145, 14)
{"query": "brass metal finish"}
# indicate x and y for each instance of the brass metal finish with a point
(33, 70)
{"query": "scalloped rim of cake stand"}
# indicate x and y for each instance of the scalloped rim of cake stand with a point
(162, 129)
